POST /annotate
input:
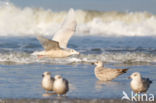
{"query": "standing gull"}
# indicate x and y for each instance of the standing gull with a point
(47, 81)
(57, 47)
(60, 85)
(138, 83)
(106, 74)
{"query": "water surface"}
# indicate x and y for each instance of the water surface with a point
(21, 71)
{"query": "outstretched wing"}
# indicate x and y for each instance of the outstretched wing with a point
(48, 44)
(67, 29)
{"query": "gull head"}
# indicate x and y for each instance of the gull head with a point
(73, 52)
(46, 74)
(135, 76)
(57, 77)
(98, 63)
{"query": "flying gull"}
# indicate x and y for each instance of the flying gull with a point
(57, 47)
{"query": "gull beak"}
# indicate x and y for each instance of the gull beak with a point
(129, 77)
(42, 75)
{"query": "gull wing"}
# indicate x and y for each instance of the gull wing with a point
(146, 81)
(67, 84)
(48, 44)
(67, 30)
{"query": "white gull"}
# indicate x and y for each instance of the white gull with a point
(57, 47)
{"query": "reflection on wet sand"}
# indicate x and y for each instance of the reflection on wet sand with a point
(100, 84)
(48, 94)
(72, 87)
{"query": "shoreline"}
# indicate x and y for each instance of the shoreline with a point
(67, 100)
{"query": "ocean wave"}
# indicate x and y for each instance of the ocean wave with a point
(33, 21)
(125, 58)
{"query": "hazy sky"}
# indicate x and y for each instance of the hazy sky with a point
(102, 5)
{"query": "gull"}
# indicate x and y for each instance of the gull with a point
(106, 74)
(138, 83)
(60, 85)
(57, 47)
(47, 81)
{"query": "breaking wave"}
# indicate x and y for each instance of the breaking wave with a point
(122, 58)
(16, 21)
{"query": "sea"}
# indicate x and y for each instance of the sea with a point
(121, 38)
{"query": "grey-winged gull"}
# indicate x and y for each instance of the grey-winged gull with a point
(47, 81)
(138, 83)
(60, 86)
(106, 74)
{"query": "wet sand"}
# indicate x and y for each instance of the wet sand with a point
(66, 100)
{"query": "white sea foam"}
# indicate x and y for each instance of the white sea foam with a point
(26, 58)
(15, 21)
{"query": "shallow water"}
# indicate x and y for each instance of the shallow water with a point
(23, 81)
(20, 71)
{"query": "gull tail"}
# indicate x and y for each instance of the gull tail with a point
(123, 70)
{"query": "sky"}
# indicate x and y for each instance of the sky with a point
(100, 5)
